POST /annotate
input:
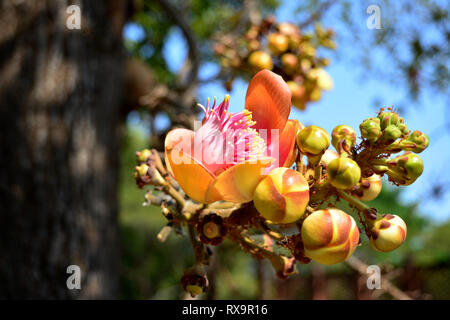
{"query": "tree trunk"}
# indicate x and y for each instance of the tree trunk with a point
(60, 93)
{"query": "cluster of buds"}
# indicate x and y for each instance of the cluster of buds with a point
(145, 172)
(388, 134)
(284, 49)
(259, 204)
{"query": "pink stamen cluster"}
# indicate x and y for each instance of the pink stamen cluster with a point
(226, 138)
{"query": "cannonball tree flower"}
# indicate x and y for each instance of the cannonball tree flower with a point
(230, 153)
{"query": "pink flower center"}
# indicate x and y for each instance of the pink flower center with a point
(225, 138)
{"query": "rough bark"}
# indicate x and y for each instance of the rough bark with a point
(60, 95)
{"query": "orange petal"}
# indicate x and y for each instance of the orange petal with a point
(237, 183)
(284, 147)
(181, 139)
(192, 177)
(269, 99)
(288, 148)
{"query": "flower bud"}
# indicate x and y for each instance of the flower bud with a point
(388, 118)
(315, 94)
(147, 174)
(260, 60)
(142, 170)
(343, 173)
(403, 128)
(143, 155)
(212, 229)
(327, 157)
(298, 98)
(343, 133)
(289, 62)
(369, 188)
(324, 81)
(194, 280)
(329, 236)
(391, 133)
(278, 43)
(295, 41)
(405, 168)
(388, 233)
(282, 196)
(288, 29)
(371, 129)
(416, 142)
(284, 266)
(313, 141)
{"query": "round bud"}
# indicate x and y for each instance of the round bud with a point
(313, 141)
(143, 155)
(405, 168)
(253, 45)
(324, 81)
(278, 43)
(416, 142)
(142, 170)
(297, 94)
(388, 233)
(369, 188)
(329, 236)
(388, 118)
(289, 62)
(288, 29)
(403, 128)
(327, 157)
(194, 280)
(260, 60)
(343, 173)
(315, 94)
(284, 266)
(371, 129)
(391, 133)
(343, 133)
(282, 196)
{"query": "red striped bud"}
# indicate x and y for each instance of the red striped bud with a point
(329, 236)
(282, 196)
(388, 233)
(369, 188)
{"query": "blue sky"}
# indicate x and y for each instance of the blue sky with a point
(350, 102)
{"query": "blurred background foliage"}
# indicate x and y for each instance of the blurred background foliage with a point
(151, 270)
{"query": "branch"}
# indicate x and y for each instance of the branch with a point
(317, 14)
(194, 55)
(386, 285)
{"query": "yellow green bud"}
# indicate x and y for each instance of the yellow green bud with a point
(143, 155)
(343, 173)
(405, 168)
(388, 118)
(343, 133)
(391, 133)
(313, 141)
(416, 142)
(371, 129)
